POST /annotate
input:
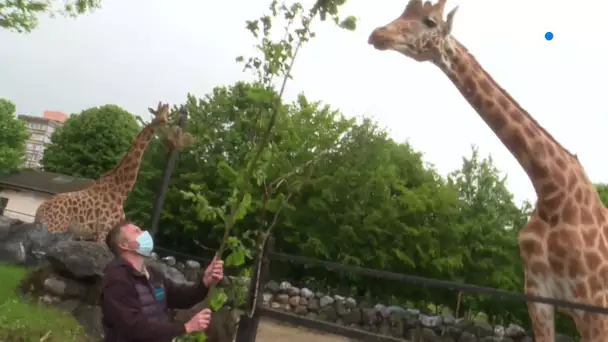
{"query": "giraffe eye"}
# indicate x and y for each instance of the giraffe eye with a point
(430, 23)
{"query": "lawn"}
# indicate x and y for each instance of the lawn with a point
(29, 322)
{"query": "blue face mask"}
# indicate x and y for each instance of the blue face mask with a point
(146, 244)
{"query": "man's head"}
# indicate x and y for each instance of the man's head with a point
(127, 238)
(419, 33)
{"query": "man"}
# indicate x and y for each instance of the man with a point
(134, 299)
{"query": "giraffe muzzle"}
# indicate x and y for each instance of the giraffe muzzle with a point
(379, 39)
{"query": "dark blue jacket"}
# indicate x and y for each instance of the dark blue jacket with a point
(135, 308)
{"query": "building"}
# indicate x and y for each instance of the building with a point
(40, 129)
(22, 192)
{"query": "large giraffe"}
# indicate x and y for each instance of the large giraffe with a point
(564, 245)
(91, 212)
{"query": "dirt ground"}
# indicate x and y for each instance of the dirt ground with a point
(272, 331)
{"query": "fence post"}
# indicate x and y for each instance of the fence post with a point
(166, 177)
(248, 326)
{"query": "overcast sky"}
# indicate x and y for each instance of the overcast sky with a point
(134, 53)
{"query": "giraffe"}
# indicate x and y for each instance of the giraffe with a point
(91, 212)
(563, 246)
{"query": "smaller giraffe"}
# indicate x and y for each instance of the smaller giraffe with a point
(93, 211)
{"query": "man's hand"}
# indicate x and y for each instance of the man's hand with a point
(214, 272)
(199, 322)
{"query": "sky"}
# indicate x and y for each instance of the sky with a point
(138, 52)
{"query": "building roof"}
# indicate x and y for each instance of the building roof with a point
(54, 115)
(45, 182)
(40, 119)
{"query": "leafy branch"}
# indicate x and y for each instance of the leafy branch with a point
(277, 60)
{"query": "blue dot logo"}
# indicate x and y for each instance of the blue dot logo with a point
(549, 35)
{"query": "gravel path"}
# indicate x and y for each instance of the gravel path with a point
(272, 331)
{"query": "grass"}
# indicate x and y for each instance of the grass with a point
(25, 321)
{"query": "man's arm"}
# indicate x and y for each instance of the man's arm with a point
(184, 296)
(121, 307)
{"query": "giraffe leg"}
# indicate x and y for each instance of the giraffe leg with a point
(542, 316)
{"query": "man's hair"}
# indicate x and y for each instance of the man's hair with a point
(114, 236)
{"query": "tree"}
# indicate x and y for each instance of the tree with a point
(22, 15)
(91, 143)
(13, 137)
(488, 221)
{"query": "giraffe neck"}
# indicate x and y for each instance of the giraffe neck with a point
(540, 155)
(124, 175)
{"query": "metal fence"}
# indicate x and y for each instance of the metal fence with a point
(248, 326)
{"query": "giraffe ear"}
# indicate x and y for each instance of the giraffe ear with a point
(447, 28)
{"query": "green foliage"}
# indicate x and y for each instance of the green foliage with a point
(488, 223)
(13, 137)
(91, 143)
(22, 15)
(602, 190)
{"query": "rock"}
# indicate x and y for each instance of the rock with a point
(282, 298)
(65, 288)
(449, 320)
(306, 293)
(27, 243)
(431, 321)
(325, 301)
(81, 259)
(294, 301)
(7, 222)
(514, 331)
(285, 286)
(300, 310)
(351, 303)
(293, 291)
(193, 264)
(499, 331)
(483, 329)
(353, 317)
(169, 260)
(328, 314)
(341, 308)
(466, 336)
(167, 271)
(272, 286)
(313, 305)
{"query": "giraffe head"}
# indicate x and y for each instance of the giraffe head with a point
(161, 114)
(420, 32)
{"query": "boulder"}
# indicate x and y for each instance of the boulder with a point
(26, 243)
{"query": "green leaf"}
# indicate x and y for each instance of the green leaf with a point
(226, 172)
(218, 298)
(349, 23)
(235, 258)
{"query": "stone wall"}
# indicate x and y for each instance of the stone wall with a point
(395, 321)
(69, 273)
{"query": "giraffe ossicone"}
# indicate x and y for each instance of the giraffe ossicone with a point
(91, 212)
(564, 245)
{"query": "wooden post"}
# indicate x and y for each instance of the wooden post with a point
(166, 177)
(248, 326)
